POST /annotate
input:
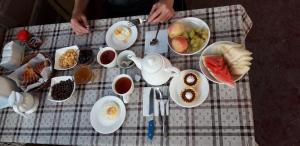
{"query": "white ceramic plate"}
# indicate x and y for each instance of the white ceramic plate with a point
(177, 85)
(195, 23)
(99, 123)
(212, 50)
(111, 41)
(60, 52)
(56, 80)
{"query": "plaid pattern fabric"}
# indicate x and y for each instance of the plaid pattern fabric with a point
(225, 118)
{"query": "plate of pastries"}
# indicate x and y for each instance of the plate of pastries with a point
(189, 89)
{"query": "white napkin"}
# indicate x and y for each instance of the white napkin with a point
(146, 93)
(12, 55)
(161, 46)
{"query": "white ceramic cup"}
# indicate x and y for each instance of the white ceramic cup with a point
(124, 55)
(113, 63)
(126, 96)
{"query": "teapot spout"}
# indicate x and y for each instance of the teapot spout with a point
(137, 61)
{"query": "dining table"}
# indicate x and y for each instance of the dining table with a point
(225, 118)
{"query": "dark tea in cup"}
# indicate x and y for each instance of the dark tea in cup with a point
(123, 85)
(107, 57)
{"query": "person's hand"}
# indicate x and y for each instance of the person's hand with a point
(79, 23)
(161, 11)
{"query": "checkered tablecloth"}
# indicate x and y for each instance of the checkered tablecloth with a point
(225, 118)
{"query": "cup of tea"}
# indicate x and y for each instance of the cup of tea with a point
(83, 74)
(123, 85)
(107, 57)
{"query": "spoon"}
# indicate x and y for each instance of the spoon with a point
(155, 40)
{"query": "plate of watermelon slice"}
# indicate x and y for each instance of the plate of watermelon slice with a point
(225, 62)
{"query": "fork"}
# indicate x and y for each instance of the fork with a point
(158, 97)
(165, 100)
(137, 21)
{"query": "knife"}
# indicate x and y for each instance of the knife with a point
(151, 125)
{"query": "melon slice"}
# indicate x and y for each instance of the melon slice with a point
(217, 67)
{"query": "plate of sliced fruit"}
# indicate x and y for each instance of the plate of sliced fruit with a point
(225, 62)
(188, 36)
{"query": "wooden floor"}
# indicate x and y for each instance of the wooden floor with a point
(275, 74)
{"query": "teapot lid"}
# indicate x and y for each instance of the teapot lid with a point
(152, 63)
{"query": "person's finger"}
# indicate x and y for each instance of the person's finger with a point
(155, 14)
(85, 22)
(171, 14)
(165, 18)
(154, 7)
(160, 17)
(74, 28)
(78, 27)
(81, 28)
(78, 30)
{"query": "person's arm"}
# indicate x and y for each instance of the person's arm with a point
(161, 11)
(79, 22)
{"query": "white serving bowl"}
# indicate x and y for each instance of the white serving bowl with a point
(212, 50)
(60, 52)
(56, 80)
(194, 23)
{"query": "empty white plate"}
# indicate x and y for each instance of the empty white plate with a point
(102, 124)
(177, 85)
(111, 41)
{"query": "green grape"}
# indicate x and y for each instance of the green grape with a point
(185, 34)
(198, 30)
(205, 34)
(191, 34)
(196, 37)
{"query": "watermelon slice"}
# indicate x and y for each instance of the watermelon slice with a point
(217, 67)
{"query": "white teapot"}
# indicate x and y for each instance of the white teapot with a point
(156, 69)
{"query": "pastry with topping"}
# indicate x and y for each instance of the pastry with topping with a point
(111, 111)
(188, 95)
(191, 79)
(122, 33)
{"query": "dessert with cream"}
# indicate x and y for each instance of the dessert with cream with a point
(188, 95)
(122, 33)
(111, 111)
(191, 79)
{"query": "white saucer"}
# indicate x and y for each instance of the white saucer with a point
(177, 85)
(100, 123)
(111, 41)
